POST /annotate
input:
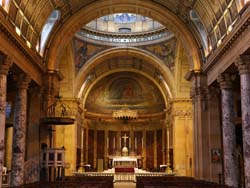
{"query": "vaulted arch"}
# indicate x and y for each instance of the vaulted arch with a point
(97, 9)
(133, 52)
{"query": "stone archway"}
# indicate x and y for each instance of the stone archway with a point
(98, 9)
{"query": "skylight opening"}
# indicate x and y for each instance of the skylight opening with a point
(47, 28)
(201, 29)
(5, 4)
(124, 22)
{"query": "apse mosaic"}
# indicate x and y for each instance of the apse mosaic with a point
(125, 89)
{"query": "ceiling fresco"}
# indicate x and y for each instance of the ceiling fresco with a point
(125, 89)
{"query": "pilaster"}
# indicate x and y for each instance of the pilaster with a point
(200, 120)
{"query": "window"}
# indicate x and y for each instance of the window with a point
(5, 4)
(8, 109)
(201, 29)
(47, 28)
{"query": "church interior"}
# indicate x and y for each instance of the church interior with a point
(153, 93)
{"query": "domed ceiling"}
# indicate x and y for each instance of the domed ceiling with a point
(125, 89)
(124, 23)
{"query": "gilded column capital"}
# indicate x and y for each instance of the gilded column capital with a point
(23, 81)
(225, 81)
(243, 64)
(5, 63)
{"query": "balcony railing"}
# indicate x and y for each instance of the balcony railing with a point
(132, 39)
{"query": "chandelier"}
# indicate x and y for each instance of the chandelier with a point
(125, 114)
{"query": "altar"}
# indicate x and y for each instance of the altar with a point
(124, 161)
(124, 167)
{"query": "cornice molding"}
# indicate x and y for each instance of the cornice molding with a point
(20, 44)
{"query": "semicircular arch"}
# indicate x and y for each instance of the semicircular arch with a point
(120, 51)
(163, 91)
(105, 7)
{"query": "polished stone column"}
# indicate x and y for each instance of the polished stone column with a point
(155, 149)
(5, 64)
(106, 149)
(144, 145)
(163, 144)
(95, 148)
(87, 146)
(228, 131)
(243, 64)
(19, 131)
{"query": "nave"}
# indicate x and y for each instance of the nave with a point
(94, 86)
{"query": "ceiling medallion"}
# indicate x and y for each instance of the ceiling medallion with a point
(125, 114)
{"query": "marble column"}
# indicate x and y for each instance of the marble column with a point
(5, 64)
(87, 146)
(163, 144)
(95, 148)
(155, 149)
(106, 149)
(228, 131)
(19, 131)
(243, 64)
(144, 145)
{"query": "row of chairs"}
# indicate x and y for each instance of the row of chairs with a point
(174, 182)
(75, 182)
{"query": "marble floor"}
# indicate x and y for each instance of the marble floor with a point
(124, 185)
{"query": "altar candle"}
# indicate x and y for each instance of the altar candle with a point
(129, 142)
(107, 142)
(142, 142)
(114, 143)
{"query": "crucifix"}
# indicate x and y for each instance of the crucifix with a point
(125, 139)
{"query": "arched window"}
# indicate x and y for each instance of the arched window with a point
(47, 28)
(5, 4)
(200, 27)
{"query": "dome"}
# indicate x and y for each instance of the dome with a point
(124, 23)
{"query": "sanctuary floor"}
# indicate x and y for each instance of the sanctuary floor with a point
(124, 185)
